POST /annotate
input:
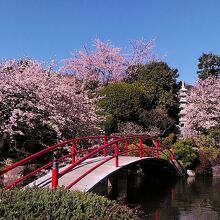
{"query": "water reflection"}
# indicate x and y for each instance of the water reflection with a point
(160, 198)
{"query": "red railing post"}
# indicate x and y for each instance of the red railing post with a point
(116, 154)
(73, 152)
(157, 149)
(172, 154)
(141, 147)
(126, 148)
(105, 142)
(55, 172)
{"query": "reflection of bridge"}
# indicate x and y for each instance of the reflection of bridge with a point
(75, 168)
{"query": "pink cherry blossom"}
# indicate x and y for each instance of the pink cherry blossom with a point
(106, 63)
(203, 108)
(30, 93)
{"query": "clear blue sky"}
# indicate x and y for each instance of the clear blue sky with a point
(45, 29)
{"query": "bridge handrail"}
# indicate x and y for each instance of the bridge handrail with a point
(39, 153)
(75, 163)
(102, 148)
(41, 168)
(63, 172)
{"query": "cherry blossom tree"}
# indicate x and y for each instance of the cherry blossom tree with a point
(141, 52)
(203, 108)
(39, 107)
(107, 63)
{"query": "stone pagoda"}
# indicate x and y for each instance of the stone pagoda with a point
(183, 103)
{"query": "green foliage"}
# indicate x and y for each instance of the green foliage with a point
(214, 133)
(207, 149)
(209, 65)
(169, 140)
(159, 73)
(205, 141)
(42, 204)
(165, 154)
(185, 151)
(163, 84)
(168, 143)
(149, 89)
(147, 100)
(210, 139)
(123, 101)
(109, 125)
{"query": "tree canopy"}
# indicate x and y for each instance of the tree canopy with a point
(146, 102)
(122, 100)
(209, 65)
(203, 109)
(107, 63)
(158, 82)
(39, 107)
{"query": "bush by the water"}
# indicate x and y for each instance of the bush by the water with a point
(42, 204)
(185, 151)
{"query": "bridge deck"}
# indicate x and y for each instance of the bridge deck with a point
(92, 178)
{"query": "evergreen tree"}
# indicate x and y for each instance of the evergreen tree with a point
(209, 65)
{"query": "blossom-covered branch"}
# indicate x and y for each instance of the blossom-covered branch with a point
(107, 63)
(203, 109)
(34, 100)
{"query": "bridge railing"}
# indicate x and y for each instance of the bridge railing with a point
(117, 151)
(69, 144)
(110, 147)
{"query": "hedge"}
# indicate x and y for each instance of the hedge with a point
(44, 204)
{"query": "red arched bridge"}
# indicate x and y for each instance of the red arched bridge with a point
(81, 163)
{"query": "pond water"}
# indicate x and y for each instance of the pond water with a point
(160, 199)
(187, 199)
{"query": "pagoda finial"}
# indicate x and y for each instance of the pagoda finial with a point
(183, 88)
(183, 85)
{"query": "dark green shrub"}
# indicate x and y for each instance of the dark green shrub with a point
(123, 101)
(60, 204)
(158, 82)
(215, 134)
(185, 151)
